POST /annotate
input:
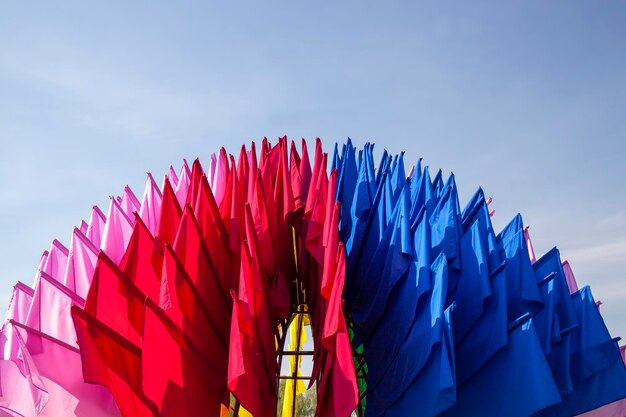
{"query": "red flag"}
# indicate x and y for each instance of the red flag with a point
(283, 193)
(261, 219)
(213, 231)
(300, 175)
(137, 261)
(195, 182)
(112, 361)
(197, 266)
(115, 301)
(315, 210)
(338, 393)
(242, 171)
(169, 219)
(251, 378)
(174, 374)
(252, 170)
(231, 211)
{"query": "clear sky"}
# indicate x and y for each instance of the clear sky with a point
(525, 98)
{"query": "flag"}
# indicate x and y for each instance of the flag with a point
(597, 368)
(115, 301)
(112, 361)
(95, 230)
(80, 264)
(151, 205)
(516, 382)
(416, 350)
(477, 209)
(56, 261)
(522, 290)
(49, 311)
(129, 202)
(181, 186)
(57, 366)
(117, 231)
(434, 389)
(173, 374)
(137, 261)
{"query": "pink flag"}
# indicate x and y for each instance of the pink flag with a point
(181, 187)
(529, 245)
(151, 205)
(80, 264)
(18, 310)
(96, 226)
(570, 278)
(23, 390)
(55, 368)
(171, 174)
(50, 309)
(221, 175)
(117, 232)
(129, 202)
(56, 262)
(211, 170)
(83, 227)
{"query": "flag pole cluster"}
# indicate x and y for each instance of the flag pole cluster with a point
(175, 304)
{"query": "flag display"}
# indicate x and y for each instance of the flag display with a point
(184, 302)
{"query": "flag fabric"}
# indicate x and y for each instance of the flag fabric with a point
(81, 262)
(57, 368)
(95, 229)
(597, 370)
(528, 385)
(151, 205)
(116, 233)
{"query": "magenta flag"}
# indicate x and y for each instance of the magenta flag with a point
(570, 278)
(23, 390)
(80, 264)
(18, 310)
(529, 245)
(151, 205)
(171, 174)
(50, 309)
(181, 186)
(117, 231)
(218, 185)
(96, 226)
(54, 370)
(83, 227)
(129, 202)
(56, 261)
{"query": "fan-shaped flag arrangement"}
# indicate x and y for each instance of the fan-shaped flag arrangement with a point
(186, 302)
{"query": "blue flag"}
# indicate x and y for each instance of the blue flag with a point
(488, 335)
(597, 369)
(422, 196)
(557, 319)
(434, 388)
(346, 189)
(516, 382)
(473, 288)
(438, 184)
(477, 209)
(445, 227)
(389, 264)
(406, 304)
(424, 337)
(522, 289)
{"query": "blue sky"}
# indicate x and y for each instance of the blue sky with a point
(526, 99)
